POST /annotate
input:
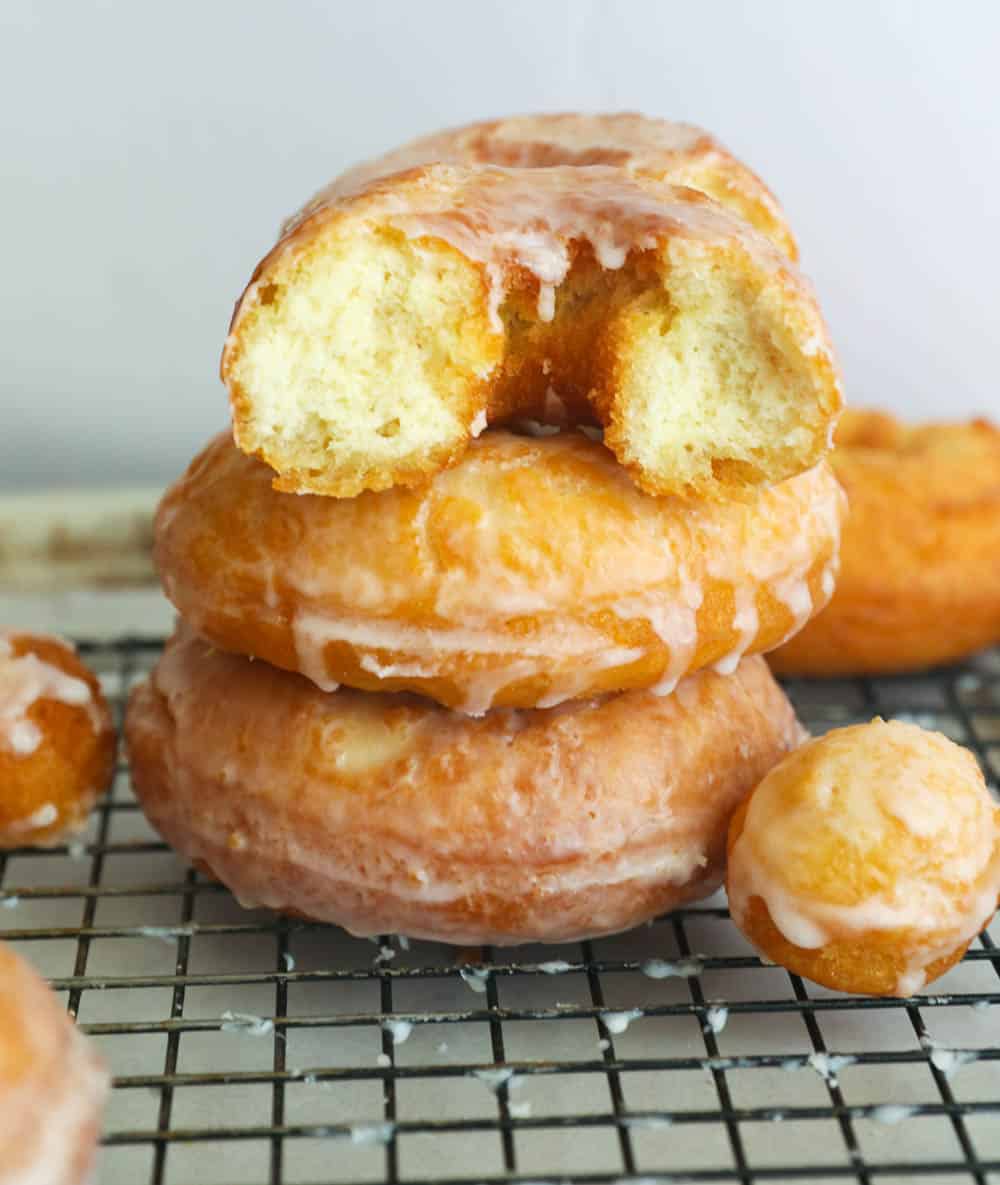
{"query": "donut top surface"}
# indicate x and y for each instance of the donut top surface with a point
(30, 674)
(880, 826)
(526, 220)
(660, 149)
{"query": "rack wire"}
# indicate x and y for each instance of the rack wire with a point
(249, 1048)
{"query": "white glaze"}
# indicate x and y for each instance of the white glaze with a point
(246, 1022)
(618, 1022)
(891, 1113)
(670, 969)
(716, 1018)
(44, 816)
(24, 681)
(399, 1030)
(746, 623)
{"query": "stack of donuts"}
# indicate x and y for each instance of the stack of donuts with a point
(527, 471)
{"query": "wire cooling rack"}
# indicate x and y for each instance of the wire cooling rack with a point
(248, 1048)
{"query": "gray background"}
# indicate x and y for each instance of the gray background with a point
(149, 151)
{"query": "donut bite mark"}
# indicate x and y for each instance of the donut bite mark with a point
(391, 325)
(57, 743)
(867, 860)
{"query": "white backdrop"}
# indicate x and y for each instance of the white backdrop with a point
(148, 151)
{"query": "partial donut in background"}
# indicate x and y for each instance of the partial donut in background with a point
(532, 572)
(919, 578)
(52, 1084)
(867, 860)
(57, 742)
(388, 813)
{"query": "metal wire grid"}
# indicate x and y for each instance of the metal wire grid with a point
(251, 1048)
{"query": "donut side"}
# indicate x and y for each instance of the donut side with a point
(52, 1084)
(387, 813)
(919, 581)
(57, 742)
(532, 572)
(391, 326)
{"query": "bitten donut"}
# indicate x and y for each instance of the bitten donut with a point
(390, 814)
(868, 859)
(658, 149)
(52, 1085)
(57, 743)
(532, 572)
(920, 576)
(390, 325)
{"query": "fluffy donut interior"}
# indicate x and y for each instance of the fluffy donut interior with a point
(368, 358)
(360, 352)
(711, 383)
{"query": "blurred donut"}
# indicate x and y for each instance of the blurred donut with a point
(389, 814)
(57, 743)
(657, 149)
(532, 572)
(52, 1085)
(390, 325)
(919, 580)
(868, 859)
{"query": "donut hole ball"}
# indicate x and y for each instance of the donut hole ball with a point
(57, 743)
(868, 859)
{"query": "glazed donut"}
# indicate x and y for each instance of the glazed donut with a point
(52, 1084)
(389, 814)
(920, 576)
(530, 573)
(389, 326)
(658, 149)
(868, 859)
(57, 743)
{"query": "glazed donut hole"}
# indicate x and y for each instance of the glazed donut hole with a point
(363, 357)
(868, 859)
(57, 744)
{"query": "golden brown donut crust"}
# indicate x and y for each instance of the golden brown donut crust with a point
(919, 579)
(390, 814)
(52, 1084)
(389, 325)
(868, 859)
(57, 742)
(659, 149)
(532, 572)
